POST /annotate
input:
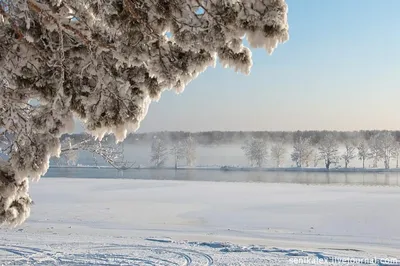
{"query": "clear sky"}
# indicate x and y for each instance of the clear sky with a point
(340, 70)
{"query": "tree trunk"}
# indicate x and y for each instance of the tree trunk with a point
(346, 163)
(363, 159)
(176, 161)
(327, 164)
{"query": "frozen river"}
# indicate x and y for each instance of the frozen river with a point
(355, 178)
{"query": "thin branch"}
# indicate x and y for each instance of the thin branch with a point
(15, 27)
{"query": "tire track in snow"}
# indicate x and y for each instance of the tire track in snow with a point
(28, 254)
(190, 256)
(112, 254)
(165, 253)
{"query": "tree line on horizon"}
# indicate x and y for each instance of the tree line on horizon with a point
(228, 137)
(380, 147)
(308, 148)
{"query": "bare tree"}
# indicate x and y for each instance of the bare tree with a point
(189, 150)
(396, 153)
(328, 150)
(178, 152)
(256, 151)
(349, 153)
(363, 151)
(159, 152)
(386, 146)
(315, 158)
(374, 150)
(382, 147)
(302, 151)
(278, 151)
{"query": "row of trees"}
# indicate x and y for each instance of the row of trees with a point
(180, 150)
(229, 137)
(113, 154)
(381, 147)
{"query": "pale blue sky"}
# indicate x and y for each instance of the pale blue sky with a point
(340, 70)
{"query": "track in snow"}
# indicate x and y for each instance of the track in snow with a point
(103, 255)
(165, 252)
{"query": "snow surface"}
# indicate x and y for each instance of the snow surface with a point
(148, 222)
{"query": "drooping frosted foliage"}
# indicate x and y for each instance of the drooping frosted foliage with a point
(104, 61)
(109, 152)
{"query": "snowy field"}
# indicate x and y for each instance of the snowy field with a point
(148, 222)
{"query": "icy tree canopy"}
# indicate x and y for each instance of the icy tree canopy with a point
(104, 61)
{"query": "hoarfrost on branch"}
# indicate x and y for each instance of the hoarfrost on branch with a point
(256, 151)
(159, 152)
(104, 61)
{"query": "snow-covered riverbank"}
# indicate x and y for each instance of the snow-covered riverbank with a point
(138, 222)
(242, 168)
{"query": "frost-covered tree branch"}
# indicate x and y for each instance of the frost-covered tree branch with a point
(383, 147)
(189, 150)
(278, 151)
(177, 152)
(111, 153)
(374, 150)
(328, 149)
(349, 153)
(396, 153)
(302, 151)
(104, 61)
(256, 151)
(159, 152)
(363, 151)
